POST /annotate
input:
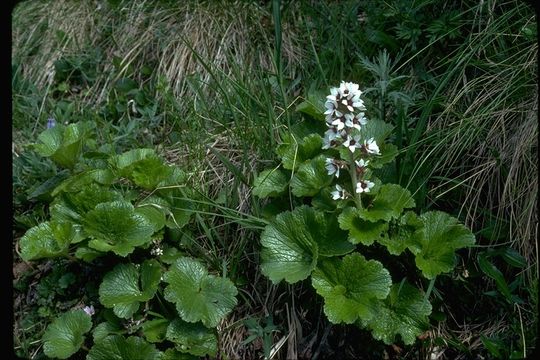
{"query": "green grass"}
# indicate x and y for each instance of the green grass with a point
(215, 83)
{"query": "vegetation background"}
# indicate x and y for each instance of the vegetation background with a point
(212, 84)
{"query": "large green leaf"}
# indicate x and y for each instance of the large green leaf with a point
(294, 150)
(124, 287)
(270, 183)
(295, 239)
(388, 204)
(79, 181)
(173, 354)
(405, 312)
(401, 233)
(310, 177)
(360, 230)
(313, 105)
(377, 129)
(193, 338)
(350, 287)
(143, 167)
(47, 240)
(63, 144)
(115, 226)
(435, 244)
(198, 295)
(65, 335)
(87, 198)
(116, 347)
(155, 330)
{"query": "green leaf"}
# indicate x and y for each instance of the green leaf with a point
(434, 245)
(173, 354)
(63, 144)
(155, 215)
(361, 231)
(493, 272)
(293, 242)
(104, 329)
(79, 181)
(143, 167)
(116, 347)
(87, 198)
(155, 330)
(86, 254)
(401, 233)
(198, 295)
(270, 183)
(193, 338)
(350, 287)
(65, 335)
(388, 154)
(124, 287)
(47, 240)
(313, 105)
(377, 129)
(405, 312)
(311, 177)
(115, 226)
(294, 151)
(388, 204)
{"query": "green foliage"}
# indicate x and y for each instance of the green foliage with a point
(434, 245)
(47, 240)
(118, 347)
(193, 338)
(63, 144)
(198, 295)
(65, 335)
(388, 204)
(310, 177)
(270, 183)
(127, 285)
(350, 287)
(294, 151)
(293, 242)
(404, 312)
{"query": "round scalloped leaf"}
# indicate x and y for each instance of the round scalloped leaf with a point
(350, 287)
(116, 347)
(154, 214)
(47, 240)
(377, 129)
(361, 231)
(294, 151)
(435, 244)
(193, 338)
(173, 354)
(388, 204)
(65, 335)
(124, 287)
(198, 295)
(388, 153)
(143, 167)
(63, 144)
(310, 177)
(270, 183)
(295, 239)
(77, 182)
(405, 312)
(115, 226)
(155, 330)
(401, 235)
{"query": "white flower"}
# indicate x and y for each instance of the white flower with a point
(157, 251)
(329, 140)
(339, 193)
(364, 186)
(89, 310)
(332, 134)
(339, 123)
(362, 163)
(371, 147)
(352, 142)
(332, 167)
(349, 90)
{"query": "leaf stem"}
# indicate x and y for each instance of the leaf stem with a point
(352, 171)
(429, 289)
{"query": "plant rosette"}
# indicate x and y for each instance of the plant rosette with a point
(351, 209)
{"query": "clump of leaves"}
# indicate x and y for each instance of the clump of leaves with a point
(352, 212)
(118, 207)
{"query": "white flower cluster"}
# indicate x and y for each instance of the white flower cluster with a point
(345, 116)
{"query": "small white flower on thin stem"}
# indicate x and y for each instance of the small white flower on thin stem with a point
(157, 251)
(332, 167)
(339, 193)
(363, 186)
(362, 163)
(371, 147)
(353, 142)
(89, 310)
